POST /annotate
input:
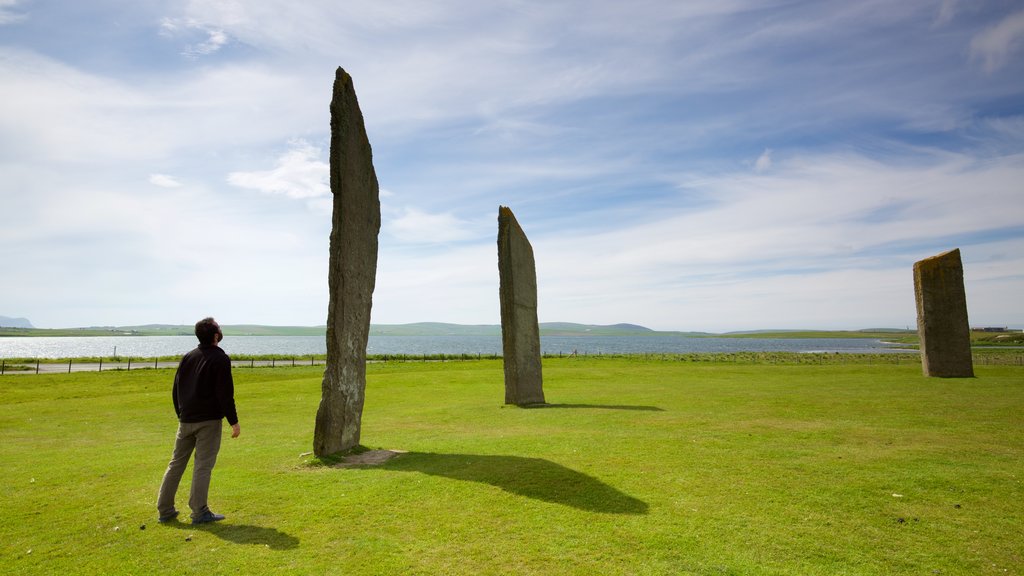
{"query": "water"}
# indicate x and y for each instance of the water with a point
(152, 346)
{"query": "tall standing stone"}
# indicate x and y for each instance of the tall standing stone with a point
(520, 332)
(942, 325)
(352, 273)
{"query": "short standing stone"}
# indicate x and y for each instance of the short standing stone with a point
(942, 325)
(520, 332)
(351, 274)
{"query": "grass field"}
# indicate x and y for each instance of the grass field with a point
(640, 467)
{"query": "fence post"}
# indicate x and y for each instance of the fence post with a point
(101, 364)
(69, 365)
(37, 365)
(293, 361)
(3, 366)
(129, 363)
(273, 362)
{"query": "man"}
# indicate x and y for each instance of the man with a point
(203, 396)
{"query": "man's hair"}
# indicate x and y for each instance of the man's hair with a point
(206, 330)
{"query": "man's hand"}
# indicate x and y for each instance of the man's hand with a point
(235, 430)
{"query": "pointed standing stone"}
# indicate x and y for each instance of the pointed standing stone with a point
(351, 275)
(942, 325)
(520, 332)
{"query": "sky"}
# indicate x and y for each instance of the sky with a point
(704, 165)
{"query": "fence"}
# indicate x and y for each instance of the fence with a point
(126, 364)
(36, 366)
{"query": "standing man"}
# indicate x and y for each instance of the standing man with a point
(204, 394)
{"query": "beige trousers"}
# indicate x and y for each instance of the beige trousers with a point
(204, 439)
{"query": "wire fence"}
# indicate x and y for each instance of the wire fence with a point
(68, 365)
(50, 366)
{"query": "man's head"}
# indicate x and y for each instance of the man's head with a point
(208, 331)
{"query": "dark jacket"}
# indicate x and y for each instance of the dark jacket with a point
(203, 388)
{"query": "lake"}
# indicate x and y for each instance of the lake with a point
(152, 346)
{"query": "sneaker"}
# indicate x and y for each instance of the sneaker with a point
(208, 516)
(168, 518)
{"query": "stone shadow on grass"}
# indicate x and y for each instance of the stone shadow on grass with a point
(245, 534)
(596, 407)
(530, 477)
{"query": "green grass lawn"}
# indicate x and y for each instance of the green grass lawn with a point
(640, 467)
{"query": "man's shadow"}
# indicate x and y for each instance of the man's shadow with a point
(530, 477)
(245, 534)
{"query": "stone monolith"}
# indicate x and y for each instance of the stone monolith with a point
(520, 333)
(942, 325)
(351, 275)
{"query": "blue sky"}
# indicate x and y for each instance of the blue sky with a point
(702, 165)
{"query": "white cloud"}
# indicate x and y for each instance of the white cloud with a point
(946, 12)
(60, 113)
(824, 241)
(764, 161)
(413, 225)
(1008, 127)
(452, 284)
(171, 26)
(504, 58)
(164, 181)
(214, 38)
(783, 249)
(174, 241)
(8, 15)
(623, 135)
(322, 206)
(299, 173)
(997, 43)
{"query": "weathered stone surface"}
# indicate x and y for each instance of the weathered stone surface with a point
(942, 324)
(520, 332)
(351, 275)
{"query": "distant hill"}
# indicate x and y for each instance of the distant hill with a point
(443, 329)
(570, 329)
(877, 333)
(546, 329)
(8, 322)
(435, 329)
(257, 330)
(413, 329)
